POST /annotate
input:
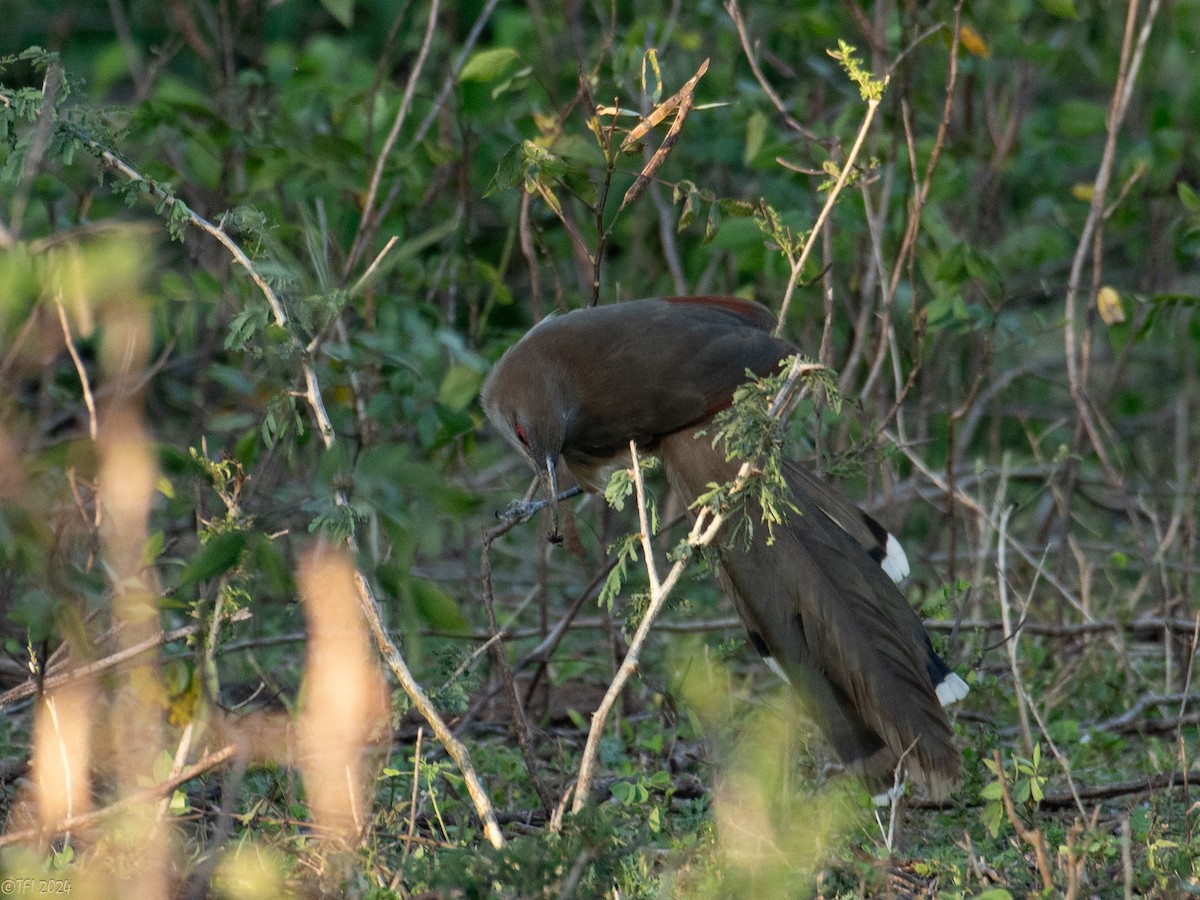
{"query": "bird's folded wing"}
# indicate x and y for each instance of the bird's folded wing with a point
(825, 611)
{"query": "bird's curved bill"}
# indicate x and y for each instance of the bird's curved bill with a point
(550, 474)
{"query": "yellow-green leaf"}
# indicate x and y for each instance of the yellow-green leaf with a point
(488, 65)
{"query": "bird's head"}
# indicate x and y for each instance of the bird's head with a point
(529, 410)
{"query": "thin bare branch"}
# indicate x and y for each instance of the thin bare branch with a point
(703, 531)
(797, 264)
(149, 795)
(368, 222)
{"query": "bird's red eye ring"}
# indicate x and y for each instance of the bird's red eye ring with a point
(520, 434)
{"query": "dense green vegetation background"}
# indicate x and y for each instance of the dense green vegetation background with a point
(1006, 286)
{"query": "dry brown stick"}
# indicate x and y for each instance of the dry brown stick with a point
(366, 225)
(1011, 636)
(1157, 782)
(412, 806)
(455, 748)
(1031, 836)
(157, 792)
(913, 225)
(1065, 799)
(1127, 857)
(519, 720)
(739, 24)
(1187, 686)
(32, 686)
(1130, 64)
(970, 502)
(1127, 718)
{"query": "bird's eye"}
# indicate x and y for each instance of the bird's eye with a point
(520, 434)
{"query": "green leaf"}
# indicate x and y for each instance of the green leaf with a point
(993, 818)
(993, 894)
(577, 719)
(620, 488)
(756, 133)
(459, 387)
(218, 555)
(270, 565)
(437, 607)
(1081, 118)
(153, 548)
(1020, 792)
(991, 791)
(162, 766)
(953, 264)
(509, 171)
(1064, 9)
(488, 65)
(342, 10)
(1188, 198)
(623, 792)
(179, 802)
(660, 779)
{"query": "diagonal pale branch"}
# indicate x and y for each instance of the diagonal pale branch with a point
(739, 23)
(843, 175)
(702, 533)
(57, 679)
(88, 400)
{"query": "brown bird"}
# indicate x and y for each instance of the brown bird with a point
(820, 603)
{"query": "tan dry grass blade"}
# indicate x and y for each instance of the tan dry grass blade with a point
(61, 753)
(134, 720)
(345, 702)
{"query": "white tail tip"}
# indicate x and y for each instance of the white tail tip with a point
(895, 560)
(952, 689)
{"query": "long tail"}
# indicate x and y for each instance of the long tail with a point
(820, 608)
